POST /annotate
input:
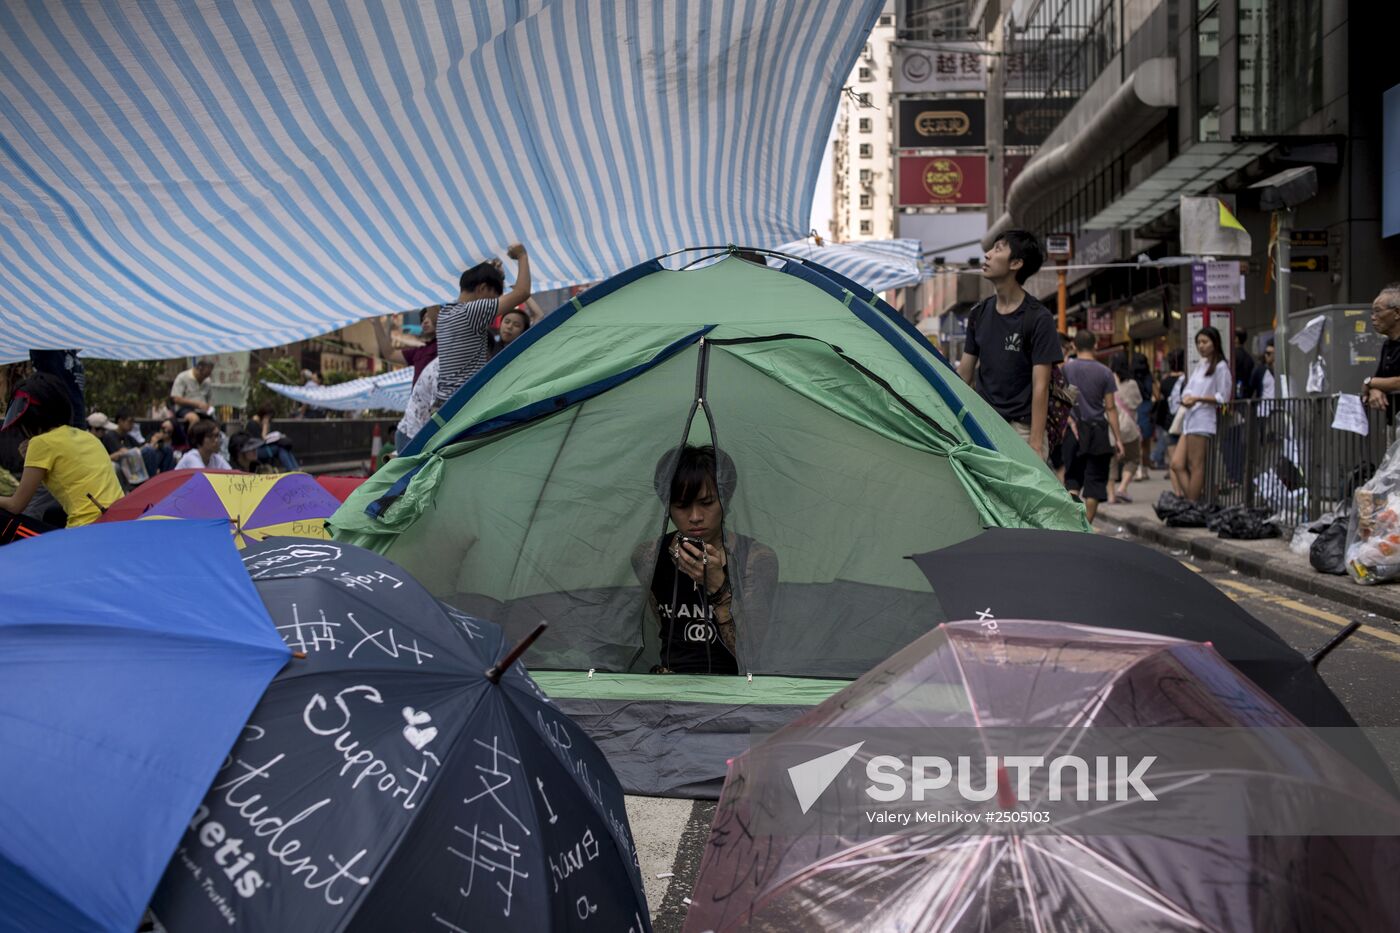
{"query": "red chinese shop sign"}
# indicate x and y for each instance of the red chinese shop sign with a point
(926, 180)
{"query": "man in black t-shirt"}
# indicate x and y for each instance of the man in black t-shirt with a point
(1012, 344)
(1378, 391)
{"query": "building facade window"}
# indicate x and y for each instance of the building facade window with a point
(867, 151)
(866, 74)
(867, 200)
(1280, 64)
(866, 227)
(865, 124)
(886, 19)
(1207, 71)
(866, 176)
(1063, 48)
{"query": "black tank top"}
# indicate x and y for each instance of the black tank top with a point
(690, 642)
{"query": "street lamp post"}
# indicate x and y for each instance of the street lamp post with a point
(1281, 193)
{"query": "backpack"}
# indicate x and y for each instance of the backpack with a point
(1063, 397)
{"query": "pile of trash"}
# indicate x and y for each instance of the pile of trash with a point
(1237, 522)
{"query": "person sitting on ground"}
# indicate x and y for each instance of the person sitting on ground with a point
(105, 430)
(708, 586)
(158, 451)
(244, 449)
(203, 454)
(513, 323)
(122, 447)
(72, 464)
(191, 394)
(463, 327)
(1090, 447)
(276, 447)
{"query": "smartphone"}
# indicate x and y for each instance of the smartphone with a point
(696, 542)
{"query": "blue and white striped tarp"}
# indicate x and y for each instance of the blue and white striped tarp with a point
(194, 176)
(879, 265)
(386, 391)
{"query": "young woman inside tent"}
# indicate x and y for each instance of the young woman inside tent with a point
(72, 464)
(705, 581)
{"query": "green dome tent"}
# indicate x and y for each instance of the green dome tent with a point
(533, 494)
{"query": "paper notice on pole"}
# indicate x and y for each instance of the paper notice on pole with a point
(1317, 377)
(1308, 338)
(1351, 415)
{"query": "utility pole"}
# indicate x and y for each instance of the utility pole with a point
(1282, 281)
(1062, 292)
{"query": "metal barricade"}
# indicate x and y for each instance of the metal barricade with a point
(1284, 455)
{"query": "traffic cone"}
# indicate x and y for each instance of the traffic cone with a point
(376, 445)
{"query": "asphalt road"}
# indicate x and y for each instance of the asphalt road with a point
(1364, 672)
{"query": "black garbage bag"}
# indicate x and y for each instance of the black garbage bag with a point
(1328, 553)
(1195, 515)
(1168, 504)
(1243, 524)
(1178, 512)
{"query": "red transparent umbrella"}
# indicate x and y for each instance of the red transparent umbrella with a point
(765, 874)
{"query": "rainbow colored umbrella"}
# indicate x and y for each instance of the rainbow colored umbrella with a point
(255, 505)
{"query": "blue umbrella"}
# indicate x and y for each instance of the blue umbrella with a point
(403, 774)
(133, 655)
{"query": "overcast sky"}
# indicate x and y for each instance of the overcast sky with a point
(821, 200)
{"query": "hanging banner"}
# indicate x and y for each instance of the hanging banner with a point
(229, 380)
(930, 180)
(942, 124)
(954, 66)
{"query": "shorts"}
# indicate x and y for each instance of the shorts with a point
(1132, 454)
(1085, 472)
(1023, 428)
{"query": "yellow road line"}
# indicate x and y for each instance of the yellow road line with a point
(1242, 587)
(1338, 621)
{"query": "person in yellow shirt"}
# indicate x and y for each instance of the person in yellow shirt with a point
(71, 463)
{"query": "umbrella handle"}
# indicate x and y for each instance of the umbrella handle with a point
(494, 673)
(1326, 649)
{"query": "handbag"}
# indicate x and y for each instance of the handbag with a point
(1178, 422)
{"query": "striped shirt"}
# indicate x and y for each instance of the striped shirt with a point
(464, 342)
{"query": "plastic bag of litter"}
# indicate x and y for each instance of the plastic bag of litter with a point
(1307, 533)
(1373, 534)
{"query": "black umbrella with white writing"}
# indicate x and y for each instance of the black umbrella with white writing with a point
(401, 773)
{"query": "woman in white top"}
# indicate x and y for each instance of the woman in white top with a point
(1208, 388)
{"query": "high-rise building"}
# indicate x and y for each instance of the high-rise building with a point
(862, 181)
(1141, 102)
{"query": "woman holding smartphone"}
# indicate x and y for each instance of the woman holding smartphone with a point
(705, 582)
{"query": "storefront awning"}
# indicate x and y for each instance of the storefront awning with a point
(1192, 172)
